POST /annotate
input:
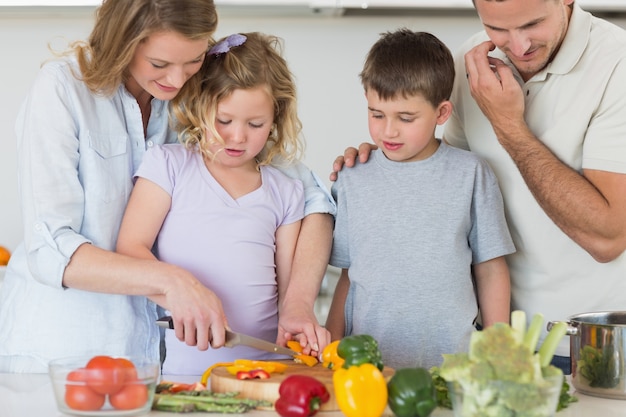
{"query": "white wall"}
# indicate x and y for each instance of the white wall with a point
(325, 53)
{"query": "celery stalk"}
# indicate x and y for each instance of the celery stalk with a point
(550, 343)
(534, 331)
(518, 325)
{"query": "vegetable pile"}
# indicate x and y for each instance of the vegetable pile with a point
(502, 374)
(103, 376)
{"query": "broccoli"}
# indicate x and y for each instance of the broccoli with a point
(503, 374)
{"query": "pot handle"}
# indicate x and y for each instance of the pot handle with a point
(571, 329)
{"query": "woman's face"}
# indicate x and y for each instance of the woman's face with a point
(163, 62)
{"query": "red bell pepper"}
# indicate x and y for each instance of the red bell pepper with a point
(300, 396)
(253, 374)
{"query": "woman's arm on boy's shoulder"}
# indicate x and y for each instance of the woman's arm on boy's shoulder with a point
(350, 157)
(335, 323)
(493, 288)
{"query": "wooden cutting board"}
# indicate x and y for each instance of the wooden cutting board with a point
(267, 389)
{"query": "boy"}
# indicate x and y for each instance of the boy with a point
(420, 232)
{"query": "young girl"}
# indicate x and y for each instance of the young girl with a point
(213, 205)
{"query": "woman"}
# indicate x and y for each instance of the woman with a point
(82, 132)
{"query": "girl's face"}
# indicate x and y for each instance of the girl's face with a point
(404, 128)
(244, 120)
(162, 64)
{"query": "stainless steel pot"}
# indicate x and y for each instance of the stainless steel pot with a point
(598, 353)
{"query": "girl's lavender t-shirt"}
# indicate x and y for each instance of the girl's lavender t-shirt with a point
(228, 244)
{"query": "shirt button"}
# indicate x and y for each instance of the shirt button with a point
(150, 144)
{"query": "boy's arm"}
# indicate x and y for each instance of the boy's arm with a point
(493, 288)
(335, 322)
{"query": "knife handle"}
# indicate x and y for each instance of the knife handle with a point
(166, 322)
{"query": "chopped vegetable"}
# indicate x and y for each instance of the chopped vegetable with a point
(501, 375)
(411, 393)
(360, 390)
(300, 396)
(253, 374)
(598, 367)
(205, 376)
(205, 401)
(169, 387)
(305, 359)
(330, 357)
(360, 349)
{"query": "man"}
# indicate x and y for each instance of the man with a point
(541, 94)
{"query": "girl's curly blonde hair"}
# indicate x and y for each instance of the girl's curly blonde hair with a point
(257, 62)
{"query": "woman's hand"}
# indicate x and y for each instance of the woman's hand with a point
(197, 312)
(348, 159)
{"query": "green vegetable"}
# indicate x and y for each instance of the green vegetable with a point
(205, 401)
(502, 374)
(598, 367)
(411, 393)
(359, 349)
(441, 388)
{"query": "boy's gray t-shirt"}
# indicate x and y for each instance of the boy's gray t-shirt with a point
(409, 233)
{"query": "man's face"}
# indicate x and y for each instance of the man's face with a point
(529, 32)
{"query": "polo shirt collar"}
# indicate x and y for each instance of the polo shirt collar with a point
(573, 46)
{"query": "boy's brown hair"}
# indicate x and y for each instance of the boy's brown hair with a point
(409, 63)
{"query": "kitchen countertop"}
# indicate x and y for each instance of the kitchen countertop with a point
(30, 395)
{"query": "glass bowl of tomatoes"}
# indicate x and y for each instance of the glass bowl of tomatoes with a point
(104, 385)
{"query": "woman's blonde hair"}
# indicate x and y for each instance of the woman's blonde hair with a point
(257, 62)
(122, 24)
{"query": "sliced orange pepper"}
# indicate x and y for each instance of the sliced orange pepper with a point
(294, 345)
(305, 359)
(249, 365)
(207, 373)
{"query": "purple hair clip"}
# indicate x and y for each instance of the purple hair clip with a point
(224, 46)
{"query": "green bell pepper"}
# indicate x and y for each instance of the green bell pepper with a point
(359, 349)
(412, 393)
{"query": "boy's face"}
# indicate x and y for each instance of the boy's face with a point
(404, 128)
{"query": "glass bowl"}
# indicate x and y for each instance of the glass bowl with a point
(104, 385)
(506, 398)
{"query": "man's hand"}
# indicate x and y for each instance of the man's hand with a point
(494, 88)
(348, 159)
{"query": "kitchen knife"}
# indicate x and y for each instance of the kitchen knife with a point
(234, 339)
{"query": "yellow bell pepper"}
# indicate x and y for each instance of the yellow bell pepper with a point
(330, 358)
(360, 391)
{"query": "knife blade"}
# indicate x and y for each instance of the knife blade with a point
(235, 339)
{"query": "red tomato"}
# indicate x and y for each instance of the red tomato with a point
(81, 397)
(128, 369)
(133, 395)
(105, 375)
